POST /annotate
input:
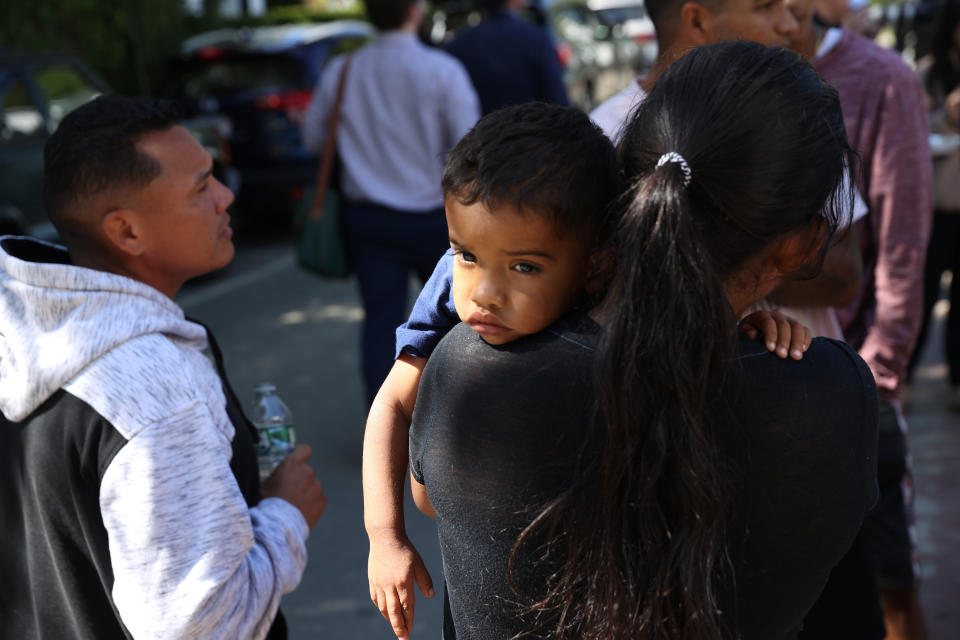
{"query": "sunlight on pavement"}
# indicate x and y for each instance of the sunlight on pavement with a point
(335, 312)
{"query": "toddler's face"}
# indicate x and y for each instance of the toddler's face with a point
(512, 274)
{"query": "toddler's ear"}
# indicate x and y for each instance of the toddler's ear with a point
(599, 270)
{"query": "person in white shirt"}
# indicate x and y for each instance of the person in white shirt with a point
(405, 105)
(680, 26)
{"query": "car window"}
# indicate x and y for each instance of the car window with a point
(21, 119)
(64, 89)
(205, 78)
(577, 24)
(618, 15)
(348, 44)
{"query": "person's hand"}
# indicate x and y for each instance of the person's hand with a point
(294, 481)
(781, 334)
(951, 108)
(392, 568)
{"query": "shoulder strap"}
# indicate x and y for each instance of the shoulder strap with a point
(329, 147)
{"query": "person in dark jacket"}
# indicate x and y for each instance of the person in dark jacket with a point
(510, 60)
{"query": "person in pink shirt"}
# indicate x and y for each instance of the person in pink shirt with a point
(886, 124)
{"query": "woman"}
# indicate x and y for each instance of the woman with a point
(717, 485)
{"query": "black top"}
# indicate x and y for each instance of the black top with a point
(497, 431)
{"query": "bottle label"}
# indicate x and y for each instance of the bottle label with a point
(276, 439)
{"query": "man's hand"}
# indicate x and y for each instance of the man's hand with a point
(393, 567)
(781, 334)
(294, 481)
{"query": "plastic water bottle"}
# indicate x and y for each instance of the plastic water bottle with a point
(274, 423)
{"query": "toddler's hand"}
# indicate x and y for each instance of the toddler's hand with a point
(781, 334)
(393, 566)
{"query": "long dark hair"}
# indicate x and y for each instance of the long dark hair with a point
(638, 547)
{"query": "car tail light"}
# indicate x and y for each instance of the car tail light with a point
(296, 194)
(286, 100)
(644, 38)
(210, 53)
(564, 54)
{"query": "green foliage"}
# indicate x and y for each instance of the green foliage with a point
(294, 14)
(125, 41)
(130, 41)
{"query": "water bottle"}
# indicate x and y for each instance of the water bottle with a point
(274, 424)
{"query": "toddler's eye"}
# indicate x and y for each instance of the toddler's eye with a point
(465, 256)
(526, 267)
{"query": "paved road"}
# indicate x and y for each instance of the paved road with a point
(935, 447)
(279, 324)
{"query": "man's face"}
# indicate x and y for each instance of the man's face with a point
(765, 21)
(513, 275)
(182, 214)
(803, 40)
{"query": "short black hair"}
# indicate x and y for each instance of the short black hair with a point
(388, 14)
(543, 158)
(94, 149)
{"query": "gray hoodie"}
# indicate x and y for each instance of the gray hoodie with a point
(189, 558)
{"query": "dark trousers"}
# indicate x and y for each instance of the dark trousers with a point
(385, 245)
(943, 253)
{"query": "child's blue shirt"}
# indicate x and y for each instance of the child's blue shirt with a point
(433, 313)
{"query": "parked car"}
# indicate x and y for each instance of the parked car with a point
(262, 79)
(598, 59)
(597, 56)
(36, 91)
(629, 19)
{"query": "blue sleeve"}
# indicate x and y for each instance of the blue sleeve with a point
(433, 313)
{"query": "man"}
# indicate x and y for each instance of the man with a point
(682, 24)
(510, 60)
(404, 107)
(131, 504)
(886, 122)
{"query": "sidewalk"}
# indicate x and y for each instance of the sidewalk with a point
(934, 441)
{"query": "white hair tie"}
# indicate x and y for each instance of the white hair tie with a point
(673, 156)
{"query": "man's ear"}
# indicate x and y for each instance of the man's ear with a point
(599, 270)
(122, 230)
(696, 25)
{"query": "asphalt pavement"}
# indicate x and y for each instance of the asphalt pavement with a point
(279, 324)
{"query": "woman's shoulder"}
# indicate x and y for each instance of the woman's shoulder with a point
(828, 398)
(465, 366)
(826, 364)
(575, 335)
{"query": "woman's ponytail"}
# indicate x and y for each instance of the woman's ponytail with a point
(638, 545)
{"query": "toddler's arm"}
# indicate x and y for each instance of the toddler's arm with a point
(394, 564)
